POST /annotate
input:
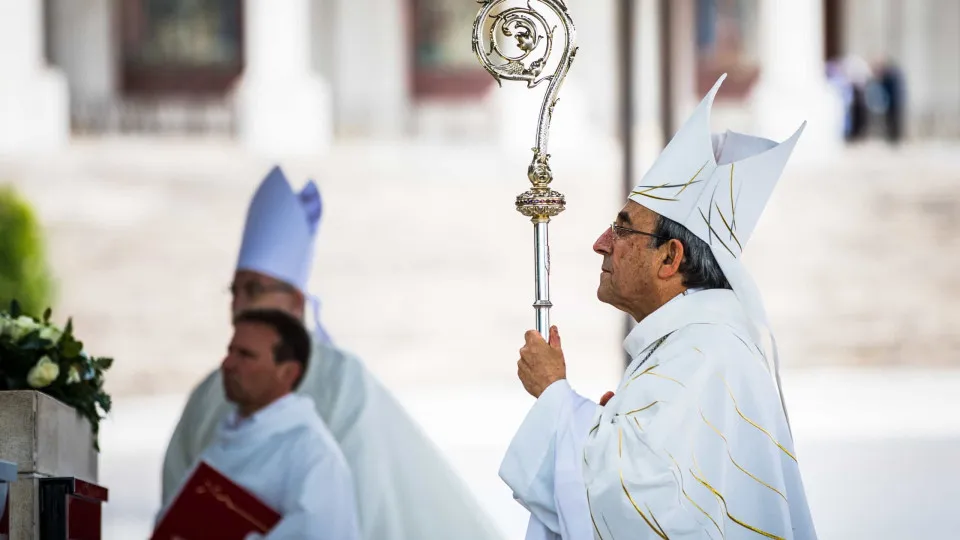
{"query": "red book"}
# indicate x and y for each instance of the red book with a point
(211, 505)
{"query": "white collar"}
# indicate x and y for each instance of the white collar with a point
(691, 307)
(235, 422)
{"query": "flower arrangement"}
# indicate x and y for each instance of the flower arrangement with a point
(38, 355)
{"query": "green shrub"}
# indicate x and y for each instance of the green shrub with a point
(24, 274)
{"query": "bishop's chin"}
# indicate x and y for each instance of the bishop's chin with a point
(603, 289)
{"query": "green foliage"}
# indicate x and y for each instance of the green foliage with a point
(37, 355)
(24, 274)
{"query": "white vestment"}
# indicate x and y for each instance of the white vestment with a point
(286, 456)
(694, 443)
(406, 489)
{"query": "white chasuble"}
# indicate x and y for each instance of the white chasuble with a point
(694, 443)
(285, 455)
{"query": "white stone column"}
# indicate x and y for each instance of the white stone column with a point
(370, 66)
(792, 86)
(283, 106)
(647, 95)
(84, 49)
(34, 104)
(683, 58)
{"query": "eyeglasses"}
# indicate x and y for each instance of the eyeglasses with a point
(620, 232)
(254, 289)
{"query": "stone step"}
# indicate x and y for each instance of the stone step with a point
(165, 116)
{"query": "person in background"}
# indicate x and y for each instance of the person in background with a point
(406, 489)
(890, 79)
(272, 442)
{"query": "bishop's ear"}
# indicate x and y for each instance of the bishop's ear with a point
(672, 255)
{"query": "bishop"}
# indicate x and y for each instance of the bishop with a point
(695, 441)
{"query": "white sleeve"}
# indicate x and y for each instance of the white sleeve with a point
(543, 465)
(324, 505)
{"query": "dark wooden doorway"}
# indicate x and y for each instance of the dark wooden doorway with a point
(180, 47)
(441, 66)
(832, 29)
(728, 42)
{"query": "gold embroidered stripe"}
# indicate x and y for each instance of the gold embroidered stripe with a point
(693, 502)
(590, 508)
(727, 509)
(607, 525)
(591, 432)
(665, 377)
(637, 508)
(754, 424)
(733, 207)
(737, 465)
(641, 373)
(638, 423)
(727, 225)
(652, 196)
(648, 189)
(692, 178)
(654, 518)
(649, 371)
(641, 408)
(666, 185)
(652, 349)
(713, 233)
(748, 345)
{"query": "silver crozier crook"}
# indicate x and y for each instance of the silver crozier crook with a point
(533, 37)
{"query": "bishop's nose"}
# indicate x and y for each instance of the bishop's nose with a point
(604, 243)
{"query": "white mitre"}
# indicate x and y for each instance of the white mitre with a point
(717, 185)
(279, 234)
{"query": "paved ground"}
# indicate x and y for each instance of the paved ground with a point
(425, 271)
(877, 449)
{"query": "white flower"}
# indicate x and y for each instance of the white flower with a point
(26, 322)
(44, 373)
(22, 326)
(5, 324)
(51, 333)
(73, 376)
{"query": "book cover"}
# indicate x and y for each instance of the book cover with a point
(210, 505)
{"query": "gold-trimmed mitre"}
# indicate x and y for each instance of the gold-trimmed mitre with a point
(716, 185)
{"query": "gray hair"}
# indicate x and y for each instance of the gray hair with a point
(699, 267)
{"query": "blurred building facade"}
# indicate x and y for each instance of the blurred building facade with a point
(293, 75)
